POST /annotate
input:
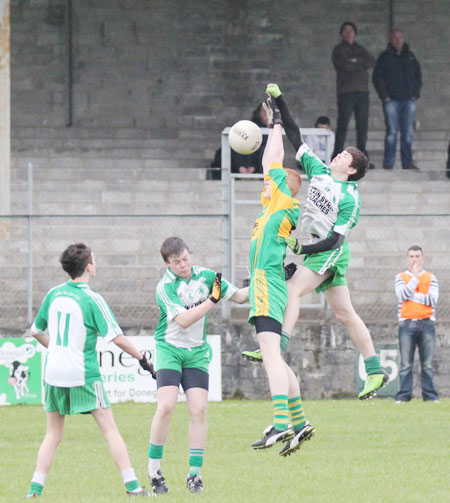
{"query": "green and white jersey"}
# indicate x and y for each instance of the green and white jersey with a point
(175, 295)
(74, 316)
(331, 205)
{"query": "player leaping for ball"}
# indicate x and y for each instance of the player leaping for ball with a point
(268, 290)
(331, 210)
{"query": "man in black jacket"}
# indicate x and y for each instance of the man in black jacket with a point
(397, 79)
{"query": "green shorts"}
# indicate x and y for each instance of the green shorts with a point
(335, 261)
(267, 296)
(76, 400)
(171, 357)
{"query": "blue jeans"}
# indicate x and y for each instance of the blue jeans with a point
(420, 333)
(399, 114)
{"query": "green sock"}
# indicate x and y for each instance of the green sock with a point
(155, 451)
(132, 485)
(284, 340)
(280, 412)
(372, 365)
(36, 488)
(195, 460)
(298, 419)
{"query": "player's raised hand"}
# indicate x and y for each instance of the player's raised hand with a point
(217, 288)
(293, 244)
(273, 90)
(147, 365)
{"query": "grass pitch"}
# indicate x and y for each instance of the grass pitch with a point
(362, 452)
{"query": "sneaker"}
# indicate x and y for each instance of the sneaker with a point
(372, 384)
(143, 493)
(272, 436)
(159, 485)
(296, 442)
(194, 483)
(31, 495)
(253, 356)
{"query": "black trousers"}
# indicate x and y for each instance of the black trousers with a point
(357, 102)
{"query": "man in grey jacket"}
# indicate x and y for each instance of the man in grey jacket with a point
(351, 62)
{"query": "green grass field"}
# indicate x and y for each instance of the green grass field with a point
(375, 452)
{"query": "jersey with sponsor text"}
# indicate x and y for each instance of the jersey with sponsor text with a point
(175, 295)
(74, 316)
(331, 205)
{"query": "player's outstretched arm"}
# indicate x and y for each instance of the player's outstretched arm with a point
(290, 126)
(330, 243)
(126, 345)
(240, 296)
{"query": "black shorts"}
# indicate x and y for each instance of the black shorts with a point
(188, 378)
(267, 324)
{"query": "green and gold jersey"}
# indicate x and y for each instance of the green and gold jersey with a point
(278, 217)
(331, 205)
(74, 316)
(175, 295)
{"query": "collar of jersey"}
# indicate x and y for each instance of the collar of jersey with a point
(77, 284)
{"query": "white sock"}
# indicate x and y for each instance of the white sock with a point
(153, 466)
(128, 475)
(39, 478)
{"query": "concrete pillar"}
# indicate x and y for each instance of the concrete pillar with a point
(5, 108)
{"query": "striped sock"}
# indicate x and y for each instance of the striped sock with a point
(372, 365)
(195, 460)
(298, 419)
(36, 488)
(280, 412)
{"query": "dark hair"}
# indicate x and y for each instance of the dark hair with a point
(324, 120)
(173, 246)
(347, 23)
(75, 258)
(415, 248)
(359, 162)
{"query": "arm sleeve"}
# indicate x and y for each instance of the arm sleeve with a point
(417, 79)
(405, 291)
(340, 61)
(104, 319)
(290, 126)
(40, 323)
(377, 80)
(329, 243)
(365, 59)
(430, 298)
(168, 300)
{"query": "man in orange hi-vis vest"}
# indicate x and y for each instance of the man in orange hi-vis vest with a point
(417, 291)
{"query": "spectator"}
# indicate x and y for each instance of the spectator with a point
(251, 163)
(417, 291)
(318, 144)
(351, 62)
(397, 79)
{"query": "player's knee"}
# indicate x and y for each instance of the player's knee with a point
(198, 412)
(344, 315)
(165, 409)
